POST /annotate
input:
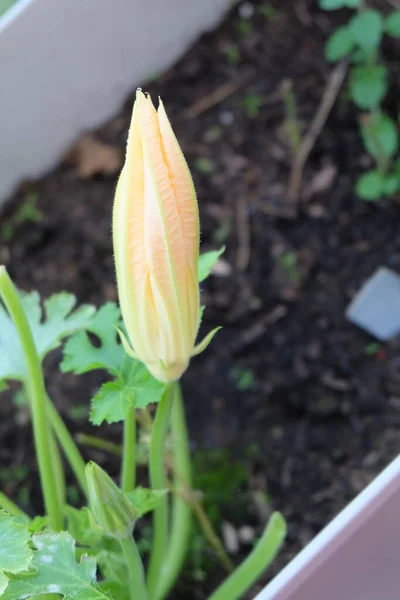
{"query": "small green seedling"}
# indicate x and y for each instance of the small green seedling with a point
(288, 262)
(359, 40)
(252, 104)
(268, 11)
(26, 213)
(204, 165)
(244, 378)
(232, 53)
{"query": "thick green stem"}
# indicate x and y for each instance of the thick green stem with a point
(159, 482)
(137, 586)
(260, 558)
(128, 472)
(181, 509)
(37, 394)
(67, 444)
(9, 506)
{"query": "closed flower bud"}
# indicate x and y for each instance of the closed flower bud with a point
(156, 246)
(114, 515)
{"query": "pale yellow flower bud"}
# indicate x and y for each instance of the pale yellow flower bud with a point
(156, 244)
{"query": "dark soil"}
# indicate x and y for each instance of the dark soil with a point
(288, 375)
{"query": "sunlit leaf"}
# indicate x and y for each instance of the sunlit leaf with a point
(367, 28)
(15, 553)
(392, 25)
(339, 44)
(368, 85)
(54, 570)
(132, 386)
(145, 500)
(370, 186)
(380, 135)
(49, 326)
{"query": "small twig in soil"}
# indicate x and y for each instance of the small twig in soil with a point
(394, 3)
(292, 122)
(216, 96)
(258, 328)
(332, 88)
(194, 498)
(243, 235)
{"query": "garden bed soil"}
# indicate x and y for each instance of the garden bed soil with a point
(312, 402)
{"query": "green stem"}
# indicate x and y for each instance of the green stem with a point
(181, 509)
(137, 586)
(37, 394)
(252, 567)
(67, 444)
(98, 443)
(58, 469)
(128, 472)
(9, 506)
(210, 534)
(159, 482)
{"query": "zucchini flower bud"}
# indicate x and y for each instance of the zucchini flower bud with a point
(112, 511)
(156, 246)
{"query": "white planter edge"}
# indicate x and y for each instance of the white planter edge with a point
(355, 556)
(68, 65)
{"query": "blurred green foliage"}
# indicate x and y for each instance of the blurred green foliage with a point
(359, 41)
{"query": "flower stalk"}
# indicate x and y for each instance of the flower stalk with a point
(38, 400)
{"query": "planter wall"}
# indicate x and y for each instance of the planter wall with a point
(67, 65)
(356, 557)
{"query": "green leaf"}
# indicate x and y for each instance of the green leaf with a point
(392, 24)
(134, 387)
(55, 570)
(331, 4)
(339, 44)
(368, 85)
(335, 4)
(359, 56)
(133, 384)
(145, 500)
(107, 552)
(15, 553)
(116, 589)
(367, 28)
(114, 569)
(370, 186)
(4, 6)
(207, 261)
(81, 356)
(80, 527)
(391, 184)
(379, 134)
(49, 327)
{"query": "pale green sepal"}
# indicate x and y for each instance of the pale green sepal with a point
(126, 344)
(204, 343)
(207, 261)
